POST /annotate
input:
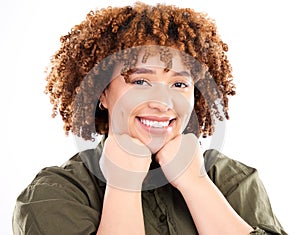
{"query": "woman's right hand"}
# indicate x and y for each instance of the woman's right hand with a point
(125, 162)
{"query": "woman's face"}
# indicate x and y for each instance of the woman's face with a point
(154, 105)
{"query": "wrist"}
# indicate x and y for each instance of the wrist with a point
(120, 192)
(194, 184)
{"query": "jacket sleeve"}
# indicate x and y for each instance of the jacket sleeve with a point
(57, 202)
(245, 192)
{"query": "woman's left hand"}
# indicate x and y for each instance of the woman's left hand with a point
(181, 160)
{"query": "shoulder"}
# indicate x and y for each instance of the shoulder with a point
(74, 175)
(69, 191)
(243, 189)
(226, 172)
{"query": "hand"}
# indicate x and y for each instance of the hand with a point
(181, 160)
(125, 162)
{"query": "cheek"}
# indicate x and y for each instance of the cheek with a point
(183, 102)
(122, 109)
(114, 92)
(184, 105)
(190, 99)
(116, 97)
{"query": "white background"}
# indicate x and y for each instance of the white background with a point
(263, 38)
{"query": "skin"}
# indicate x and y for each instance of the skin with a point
(122, 208)
(151, 94)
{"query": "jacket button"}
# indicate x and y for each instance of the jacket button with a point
(162, 218)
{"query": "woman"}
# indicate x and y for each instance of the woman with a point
(151, 80)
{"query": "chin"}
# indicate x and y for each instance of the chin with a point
(156, 143)
(154, 149)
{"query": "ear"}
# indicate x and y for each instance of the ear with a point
(103, 99)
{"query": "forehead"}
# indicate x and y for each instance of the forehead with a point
(150, 56)
(161, 58)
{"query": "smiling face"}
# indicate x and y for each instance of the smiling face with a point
(152, 105)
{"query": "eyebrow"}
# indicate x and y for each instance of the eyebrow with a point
(142, 71)
(150, 71)
(182, 74)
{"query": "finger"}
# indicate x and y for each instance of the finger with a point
(189, 148)
(129, 145)
(168, 152)
(132, 146)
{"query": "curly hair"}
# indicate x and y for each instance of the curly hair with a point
(79, 71)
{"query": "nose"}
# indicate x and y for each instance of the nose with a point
(161, 99)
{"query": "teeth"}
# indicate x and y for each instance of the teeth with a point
(154, 124)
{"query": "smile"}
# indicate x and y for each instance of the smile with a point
(156, 123)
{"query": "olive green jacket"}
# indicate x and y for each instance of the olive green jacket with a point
(68, 199)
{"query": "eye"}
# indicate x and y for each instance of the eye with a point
(141, 82)
(180, 85)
